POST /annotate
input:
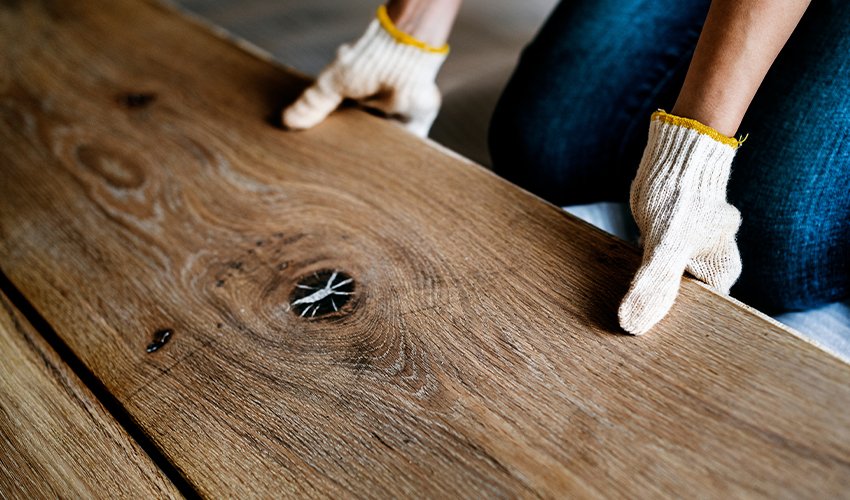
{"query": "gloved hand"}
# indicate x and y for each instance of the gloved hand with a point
(678, 199)
(384, 69)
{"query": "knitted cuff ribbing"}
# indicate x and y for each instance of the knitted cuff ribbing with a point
(692, 124)
(402, 37)
(678, 161)
(394, 63)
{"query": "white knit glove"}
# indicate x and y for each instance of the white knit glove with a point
(384, 69)
(678, 199)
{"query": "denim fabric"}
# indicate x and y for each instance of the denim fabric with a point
(572, 123)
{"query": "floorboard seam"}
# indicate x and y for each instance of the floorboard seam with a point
(113, 406)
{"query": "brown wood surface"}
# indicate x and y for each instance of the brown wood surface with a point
(56, 439)
(146, 187)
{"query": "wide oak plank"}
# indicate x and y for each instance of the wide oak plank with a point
(147, 189)
(56, 439)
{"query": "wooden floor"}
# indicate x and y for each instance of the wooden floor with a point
(57, 439)
(171, 243)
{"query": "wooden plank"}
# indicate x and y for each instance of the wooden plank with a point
(146, 188)
(56, 439)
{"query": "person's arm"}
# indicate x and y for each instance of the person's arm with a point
(427, 20)
(738, 43)
(678, 196)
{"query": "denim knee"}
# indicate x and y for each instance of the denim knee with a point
(791, 180)
(529, 146)
(516, 145)
(571, 123)
(793, 267)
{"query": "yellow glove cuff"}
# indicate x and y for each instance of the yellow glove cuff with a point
(402, 37)
(665, 117)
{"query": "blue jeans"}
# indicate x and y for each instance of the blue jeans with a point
(572, 123)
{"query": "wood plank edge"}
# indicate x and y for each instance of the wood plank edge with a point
(778, 324)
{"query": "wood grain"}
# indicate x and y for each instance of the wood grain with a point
(146, 187)
(56, 440)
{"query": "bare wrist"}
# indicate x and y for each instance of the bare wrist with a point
(427, 20)
(724, 121)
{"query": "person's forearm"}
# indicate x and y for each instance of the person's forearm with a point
(427, 20)
(738, 43)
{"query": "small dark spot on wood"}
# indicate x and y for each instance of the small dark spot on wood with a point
(322, 293)
(160, 338)
(259, 243)
(136, 100)
(219, 283)
(219, 325)
(235, 265)
(292, 239)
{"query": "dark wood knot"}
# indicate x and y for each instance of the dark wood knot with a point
(321, 294)
(135, 100)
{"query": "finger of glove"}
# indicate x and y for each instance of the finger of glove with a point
(314, 105)
(424, 105)
(653, 290)
(719, 267)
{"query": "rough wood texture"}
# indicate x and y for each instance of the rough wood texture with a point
(144, 188)
(56, 440)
